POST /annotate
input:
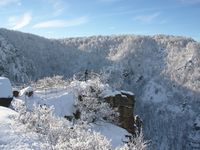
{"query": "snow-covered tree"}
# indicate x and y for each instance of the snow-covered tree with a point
(50, 82)
(58, 133)
(89, 103)
(135, 143)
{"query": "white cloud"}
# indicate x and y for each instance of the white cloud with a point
(147, 18)
(61, 23)
(7, 2)
(20, 22)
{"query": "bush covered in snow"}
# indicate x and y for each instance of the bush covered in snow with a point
(50, 82)
(89, 102)
(135, 143)
(57, 133)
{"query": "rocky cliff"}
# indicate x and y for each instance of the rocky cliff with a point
(124, 102)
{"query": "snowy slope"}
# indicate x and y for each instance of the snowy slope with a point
(63, 102)
(13, 135)
(112, 132)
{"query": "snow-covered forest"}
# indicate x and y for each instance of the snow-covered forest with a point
(162, 71)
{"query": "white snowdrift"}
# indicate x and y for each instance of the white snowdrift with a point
(111, 132)
(5, 114)
(13, 136)
(5, 88)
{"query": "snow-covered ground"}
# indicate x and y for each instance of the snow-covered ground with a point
(111, 132)
(14, 135)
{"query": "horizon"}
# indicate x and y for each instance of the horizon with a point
(131, 34)
(64, 19)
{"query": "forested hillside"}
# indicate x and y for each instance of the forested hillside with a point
(163, 72)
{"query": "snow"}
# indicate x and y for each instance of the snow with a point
(5, 124)
(128, 92)
(197, 122)
(5, 88)
(25, 90)
(62, 102)
(110, 93)
(154, 92)
(5, 114)
(13, 136)
(173, 109)
(112, 132)
(166, 58)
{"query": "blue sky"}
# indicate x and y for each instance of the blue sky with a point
(72, 18)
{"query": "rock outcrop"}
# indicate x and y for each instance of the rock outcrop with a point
(5, 92)
(5, 102)
(125, 102)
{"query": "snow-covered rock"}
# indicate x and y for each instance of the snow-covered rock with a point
(5, 88)
(124, 101)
